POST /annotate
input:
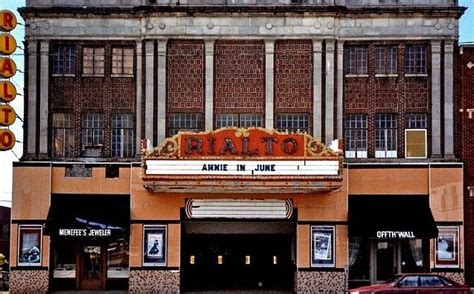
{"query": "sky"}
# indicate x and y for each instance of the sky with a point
(7, 157)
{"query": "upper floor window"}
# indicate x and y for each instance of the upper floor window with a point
(92, 134)
(243, 120)
(385, 135)
(64, 60)
(122, 61)
(416, 135)
(415, 59)
(293, 122)
(191, 122)
(122, 135)
(355, 62)
(63, 135)
(385, 60)
(93, 61)
(355, 135)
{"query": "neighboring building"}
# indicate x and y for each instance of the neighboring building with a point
(95, 206)
(466, 124)
(5, 213)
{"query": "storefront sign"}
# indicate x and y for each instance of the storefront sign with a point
(7, 20)
(243, 167)
(85, 232)
(395, 235)
(7, 115)
(7, 67)
(7, 139)
(7, 91)
(7, 44)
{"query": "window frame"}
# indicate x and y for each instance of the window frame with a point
(129, 128)
(93, 144)
(357, 154)
(93, 61)
(356, 61)
(63, 129)
(170, 127)
(386, 61)
(240, 119)
(122, 62)
(294, 130)
(37, 229)
(413, 58)
(67, 58)
(386, 153)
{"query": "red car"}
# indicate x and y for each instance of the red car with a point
(415, 283)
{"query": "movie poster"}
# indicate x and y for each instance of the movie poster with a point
(447, 247)
(322, 240)
(30, 245)
(154, 243)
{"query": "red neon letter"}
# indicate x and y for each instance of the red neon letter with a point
(6, 139)
(8, 20)
(6, 112)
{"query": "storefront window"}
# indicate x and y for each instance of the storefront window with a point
(30, 245)
(118, 255)
(412, 256)
(65, 260)
(359, 261)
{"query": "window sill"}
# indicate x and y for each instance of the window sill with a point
(63, 75)
(415, 75)
(386, 75)
(357, 75)
(93, 75)
(121, 76)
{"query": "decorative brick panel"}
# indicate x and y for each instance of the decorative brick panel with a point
(185, 76)
(356, 91)
(29, 281)
(239, 83)
(154, 281)
(320, 282)
(417, 94)
(294, 76)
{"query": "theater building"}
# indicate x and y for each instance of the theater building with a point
(466, 120)
(175, 146)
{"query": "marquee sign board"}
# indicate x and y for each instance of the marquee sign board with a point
(255, 159)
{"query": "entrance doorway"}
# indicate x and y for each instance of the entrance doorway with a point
(92, 275)
(374, 261)
(237, 261)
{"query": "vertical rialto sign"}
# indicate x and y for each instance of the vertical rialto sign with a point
(7, 70)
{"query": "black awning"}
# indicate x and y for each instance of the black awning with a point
(88, 216)
(391, 217)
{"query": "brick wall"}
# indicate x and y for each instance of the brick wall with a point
(467, 154)
(185, 76)
(239, 71)
(79, 95)
(383, 94)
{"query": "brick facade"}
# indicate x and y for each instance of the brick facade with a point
(79, 94)
(466, 127)
(185, 76)
(398, 94)
(239, 71)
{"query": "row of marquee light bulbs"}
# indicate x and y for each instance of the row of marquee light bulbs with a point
(8, 69)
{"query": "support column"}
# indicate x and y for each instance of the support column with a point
(448, 100)
(329, 111)
(317, 89)
(138, 105)
(435, 99)
(269, 82)
(32, 99)
(209, 85)
(149, 88)
(340, 89)
(44, 98)
(161, 112)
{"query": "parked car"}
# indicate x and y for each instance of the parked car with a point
(415, 283)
